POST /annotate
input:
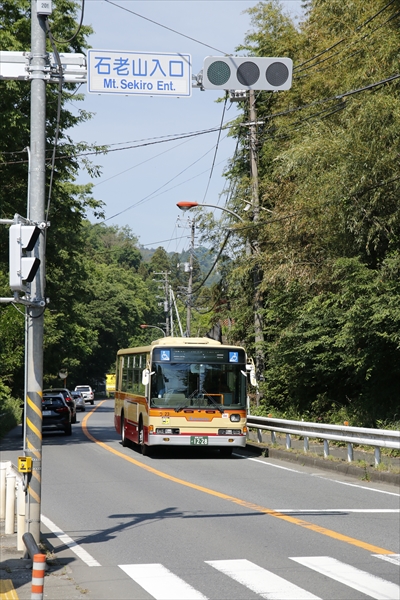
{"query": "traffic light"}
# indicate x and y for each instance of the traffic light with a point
(247, 73)
(23, 268)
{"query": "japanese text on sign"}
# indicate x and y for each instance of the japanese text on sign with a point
(140, 73)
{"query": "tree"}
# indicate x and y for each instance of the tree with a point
(329, 221)
(69, 202)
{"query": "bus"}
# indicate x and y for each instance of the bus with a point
(182, 392)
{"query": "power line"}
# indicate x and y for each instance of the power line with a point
(341, 40)
(165, 27)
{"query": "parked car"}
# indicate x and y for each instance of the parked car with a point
(56, 413)
(86, 392)
(68, 399)
(79, 401)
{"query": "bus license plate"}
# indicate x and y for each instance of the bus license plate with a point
(199, 440)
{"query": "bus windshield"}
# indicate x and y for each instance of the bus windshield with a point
(180, 385)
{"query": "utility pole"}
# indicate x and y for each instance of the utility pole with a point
(257, 297)
(35, 318)
(190, 285)
(166, 303)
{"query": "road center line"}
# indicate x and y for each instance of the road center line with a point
(245, 504)
(336, 511)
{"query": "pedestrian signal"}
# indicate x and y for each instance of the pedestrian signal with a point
(247, 73)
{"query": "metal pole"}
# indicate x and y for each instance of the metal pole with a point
(257, 301)
(34, 384)
(190, 286)
(171, 313)
(166, 304)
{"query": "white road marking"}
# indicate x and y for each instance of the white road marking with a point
(392, 558)
(65, 539)
(261, 581)
(158, 581)
(361, 487)
(370, 585)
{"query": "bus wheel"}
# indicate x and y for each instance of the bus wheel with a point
(124, 441)
(142, 446)
(225, 452)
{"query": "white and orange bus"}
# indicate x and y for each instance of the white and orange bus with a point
(182, 392)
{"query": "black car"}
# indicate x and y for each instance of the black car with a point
(67, 397)
(56, 413)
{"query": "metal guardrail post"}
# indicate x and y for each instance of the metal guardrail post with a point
(306, 444)
(377, 456)
(9, 524)
(350, 454)
(259, 435)
(326, 448)
(4, 466)
(288, 441)
(20, 514)
(273, 437)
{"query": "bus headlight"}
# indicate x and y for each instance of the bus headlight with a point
(235, 418)
(229, 432)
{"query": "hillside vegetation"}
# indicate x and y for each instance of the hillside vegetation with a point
(323, 252)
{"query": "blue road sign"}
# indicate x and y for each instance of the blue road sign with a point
(139, 73)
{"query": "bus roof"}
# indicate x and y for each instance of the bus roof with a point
(176, 341)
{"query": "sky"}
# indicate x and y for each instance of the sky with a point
(141, 186)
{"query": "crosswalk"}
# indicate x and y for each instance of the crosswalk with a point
(162, 584)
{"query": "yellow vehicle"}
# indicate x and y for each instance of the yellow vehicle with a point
(110, 384)
(182, 392)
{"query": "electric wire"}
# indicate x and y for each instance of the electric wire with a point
(394, 16)
(141, 163)
(151, 195)
(343, 39)
(165, 27)
(216, 147)
(57, 131)
(226, 125)
(77, 31)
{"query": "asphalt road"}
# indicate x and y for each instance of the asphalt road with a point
(186, 524)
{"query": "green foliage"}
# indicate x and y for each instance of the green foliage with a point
(328, 240)
(10, 410)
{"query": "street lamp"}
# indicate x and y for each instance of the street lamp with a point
(187, 205)
(152, 327)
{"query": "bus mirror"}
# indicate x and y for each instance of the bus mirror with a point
(146, 376)
(250, 367)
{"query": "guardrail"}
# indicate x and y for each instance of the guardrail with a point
(378, 438)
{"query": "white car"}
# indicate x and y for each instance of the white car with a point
(86, 392)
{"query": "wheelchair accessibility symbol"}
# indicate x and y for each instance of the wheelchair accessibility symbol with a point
(165, 355)
(233, 357)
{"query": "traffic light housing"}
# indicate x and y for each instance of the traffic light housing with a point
(247, 73)
(23, 268)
